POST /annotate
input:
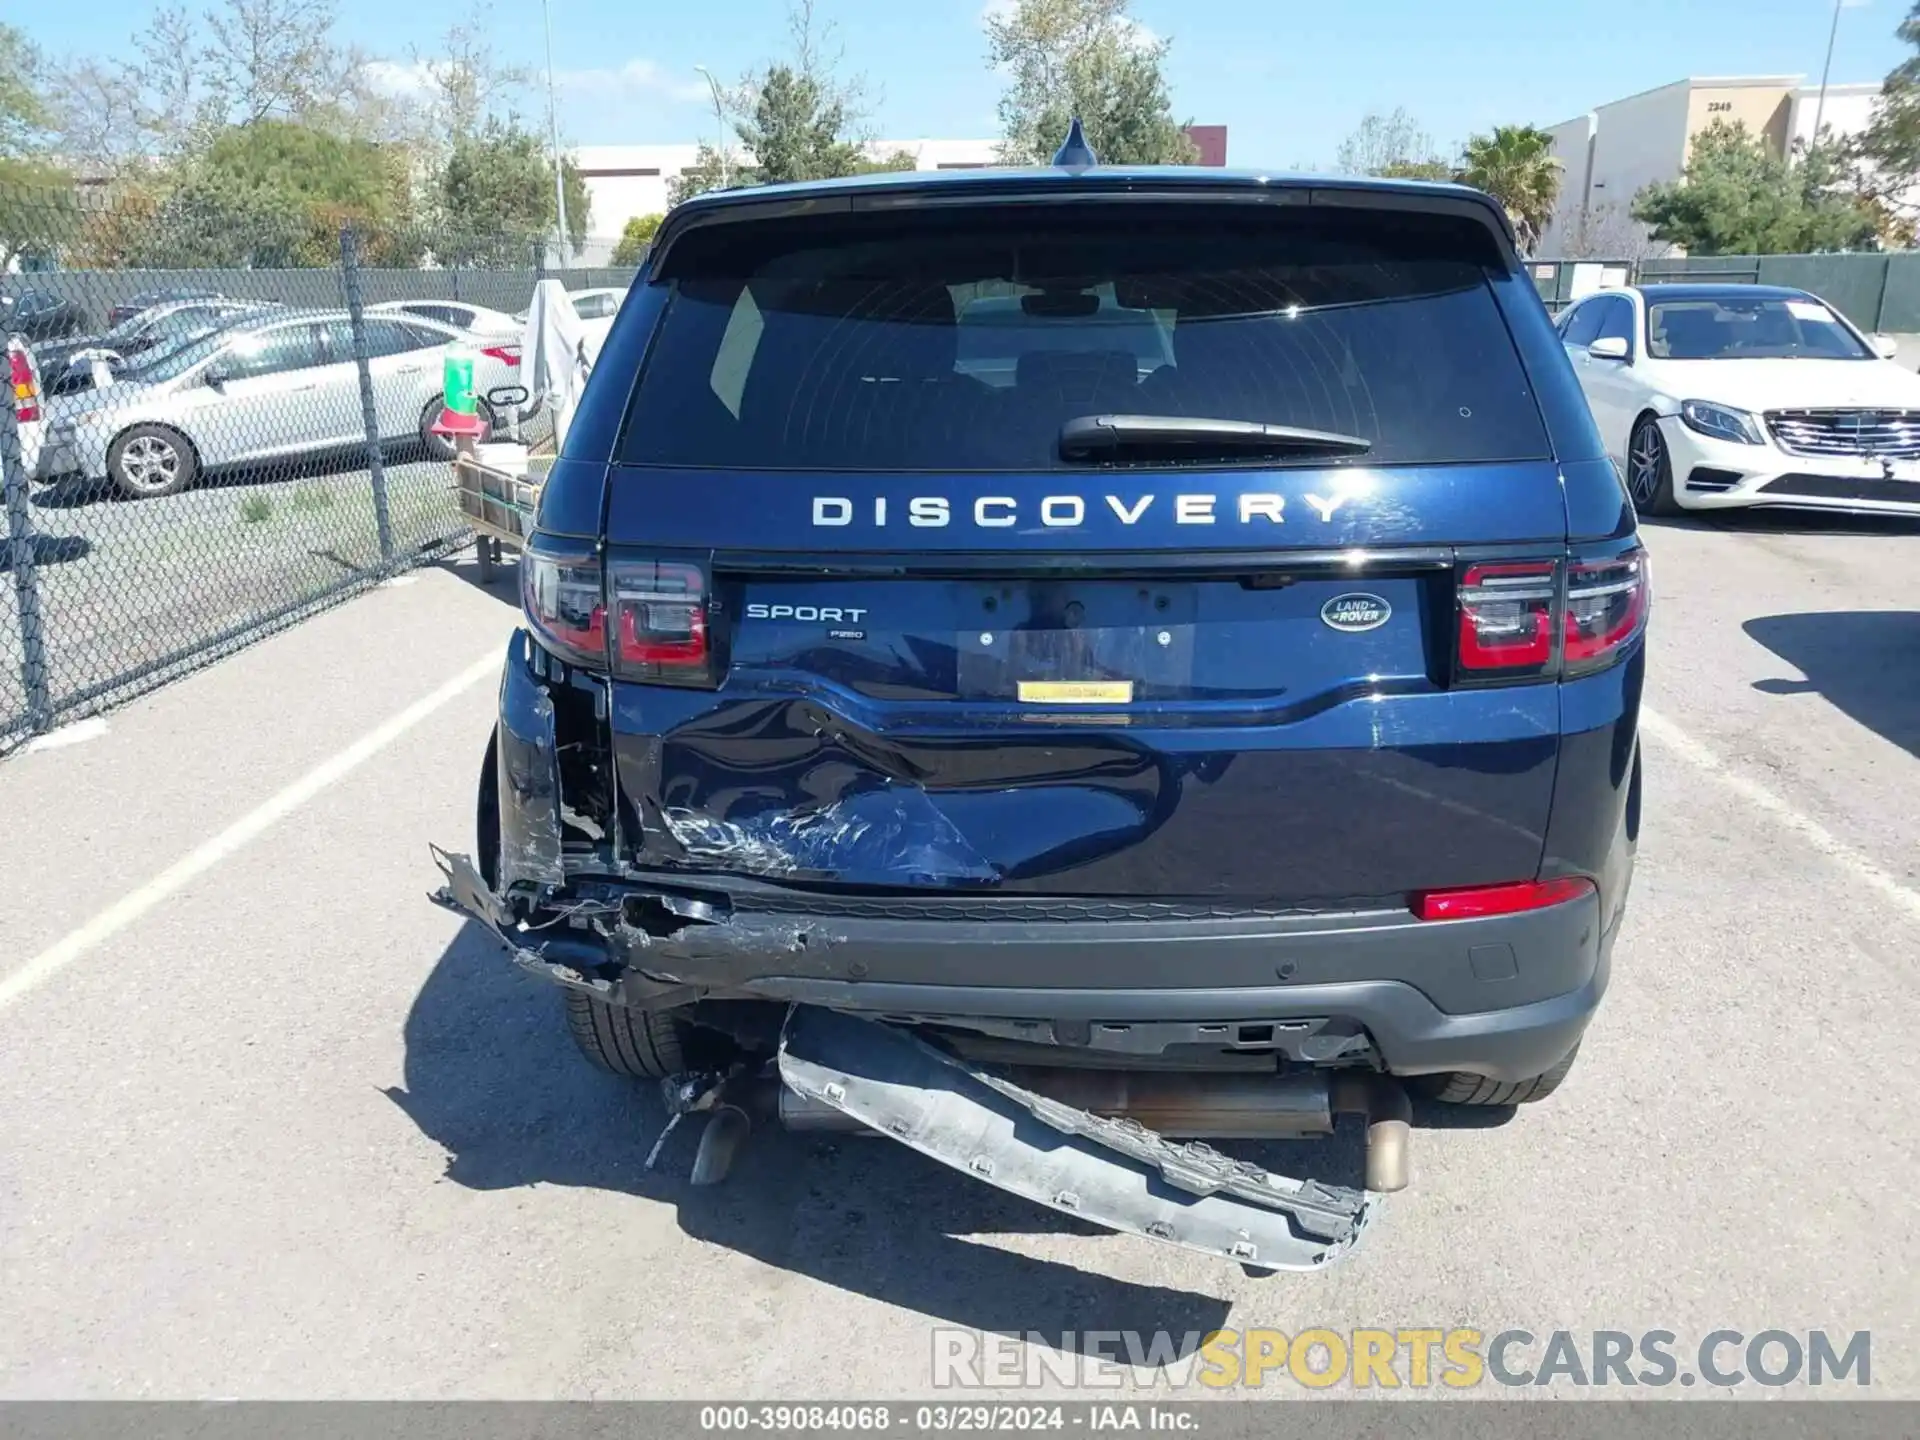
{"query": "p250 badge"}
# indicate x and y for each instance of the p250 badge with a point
(1353, 614)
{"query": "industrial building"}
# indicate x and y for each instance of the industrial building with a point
(1616, 150)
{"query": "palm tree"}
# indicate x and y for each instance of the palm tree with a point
(1515, 165)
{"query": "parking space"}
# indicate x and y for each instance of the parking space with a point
(282, 1128)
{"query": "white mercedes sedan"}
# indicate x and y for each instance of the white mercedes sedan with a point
(1719, 396)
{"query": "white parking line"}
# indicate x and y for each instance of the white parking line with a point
(1673, 738)
(109, 922)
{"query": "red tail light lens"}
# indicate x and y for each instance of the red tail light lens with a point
(1483, 900)
(1607, 602)
(26, 396)
(1506, 618)
(643, 620)
(661, 610)
(561, 594)
(510, 354)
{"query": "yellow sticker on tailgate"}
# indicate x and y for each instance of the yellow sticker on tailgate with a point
(1076, 692)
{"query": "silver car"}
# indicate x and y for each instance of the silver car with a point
(283, 386)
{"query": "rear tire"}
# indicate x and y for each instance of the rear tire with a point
(1650, 470)
(642, 1044)
(146, 462)
(1460, 1088)
(645, 1045)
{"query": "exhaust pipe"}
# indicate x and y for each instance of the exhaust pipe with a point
(1202, 1107)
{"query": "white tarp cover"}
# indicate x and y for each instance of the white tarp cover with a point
(554, 355)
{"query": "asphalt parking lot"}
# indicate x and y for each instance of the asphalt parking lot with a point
(277, 1127)
(143, 580)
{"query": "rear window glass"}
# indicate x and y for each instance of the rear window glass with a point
(884, 345)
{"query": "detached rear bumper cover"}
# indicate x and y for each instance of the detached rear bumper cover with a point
(1112, 1172)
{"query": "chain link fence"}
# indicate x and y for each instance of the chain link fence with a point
(237, 433)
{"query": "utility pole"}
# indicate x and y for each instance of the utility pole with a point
(720, 127)
(553, 134)
(1833, 33)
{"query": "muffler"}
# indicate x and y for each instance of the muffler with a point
(1200, 1107)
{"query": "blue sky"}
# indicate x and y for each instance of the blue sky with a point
(1289, 78)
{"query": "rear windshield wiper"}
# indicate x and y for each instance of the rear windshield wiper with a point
(1110, 437)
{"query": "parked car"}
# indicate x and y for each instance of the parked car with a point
(280, 385)
(886, 748)
(599, 302)
(596, 308)
(39, 315)
(476, 320)
(1713, 397)
(29, 409)
(147, 299)
(69, 364)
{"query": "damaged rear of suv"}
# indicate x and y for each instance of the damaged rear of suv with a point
(1136, 650)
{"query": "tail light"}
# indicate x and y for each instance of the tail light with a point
(635, 619)
(1541, 619)
(1483, 900)
(26, 396)
(661, 608)
(1607, 603)
(566, 604)
(510, 354)
(1506, 618)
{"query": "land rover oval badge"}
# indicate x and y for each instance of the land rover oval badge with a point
(1355, 613)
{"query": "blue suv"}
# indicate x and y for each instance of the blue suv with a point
(1122, 650)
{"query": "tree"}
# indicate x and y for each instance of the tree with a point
(886, 164)
(710, 171)
(1737, 197)
(1417, 170)
(1088, 58)
(496, 197)
(1605, 232)
(1393, 145)
(23, 115)
(276, 60)
(796, 129)
(275, 193)
(1516, 165)
(635, 239)
(799, 118)
(1886, 155)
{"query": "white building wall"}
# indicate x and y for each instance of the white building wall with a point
(1848, 111)
(1573, 148)
(1638, 141)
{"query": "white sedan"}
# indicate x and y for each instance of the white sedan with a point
(1720, 396)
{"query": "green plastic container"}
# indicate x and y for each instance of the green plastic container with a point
(459, 380)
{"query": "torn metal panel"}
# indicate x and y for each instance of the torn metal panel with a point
(529, 776)
(890, 832)
(576, 956)
(1112, 1172)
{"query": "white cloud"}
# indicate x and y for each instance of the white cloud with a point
(397, 81)
(637, 76)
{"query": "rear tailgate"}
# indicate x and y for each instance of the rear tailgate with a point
(1165, 676)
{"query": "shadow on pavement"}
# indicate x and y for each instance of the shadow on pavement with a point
(50, 550)
(1866, 663)
(492, 1076)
